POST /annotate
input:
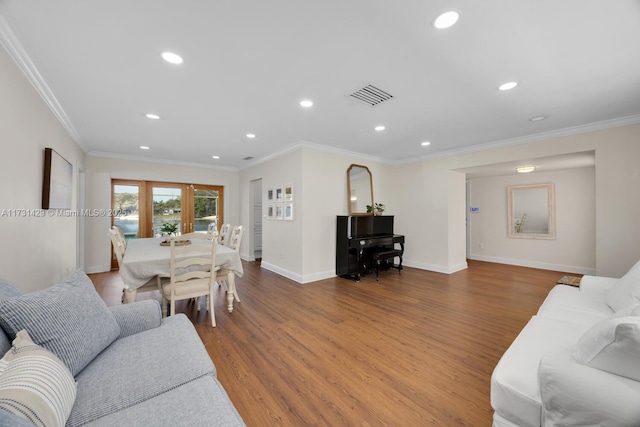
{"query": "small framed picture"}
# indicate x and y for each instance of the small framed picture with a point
(288, 211)
(279, 212)
(279, 194)
(270, 212)
(270, 194)
(288, 193)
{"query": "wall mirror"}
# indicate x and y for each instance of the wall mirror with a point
(531, 211)
(359, 190)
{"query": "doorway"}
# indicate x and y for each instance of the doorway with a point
(256, 229)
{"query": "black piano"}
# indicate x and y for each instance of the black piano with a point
(359, 239)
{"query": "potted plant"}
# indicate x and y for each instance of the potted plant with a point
(169, 228)
(377, 208)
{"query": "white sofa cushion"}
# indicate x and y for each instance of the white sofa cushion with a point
(612, 345)
(577, 395)
(626, 290)
(35, 384)
(515, 393)
(575, 305)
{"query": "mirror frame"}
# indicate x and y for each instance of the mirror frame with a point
(351, 212)
(551, 213)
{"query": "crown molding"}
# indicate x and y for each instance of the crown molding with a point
(20, 56)
(105, 154)
(574, 130)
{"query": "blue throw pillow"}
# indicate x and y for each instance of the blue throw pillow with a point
(69, 319)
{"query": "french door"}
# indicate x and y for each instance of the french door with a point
(145, 206)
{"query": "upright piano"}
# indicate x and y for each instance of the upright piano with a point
(358, 237)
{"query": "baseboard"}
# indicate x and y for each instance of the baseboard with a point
(314, 277)
(281, 271)
(302, 279)
(535, 264)
(434, 267)
(98, 269)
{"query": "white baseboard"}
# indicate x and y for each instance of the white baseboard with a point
(98, 269)
(302, 279)
(535, 264)
(434, 267)
(281, 271)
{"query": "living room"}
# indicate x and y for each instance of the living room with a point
(430, 210)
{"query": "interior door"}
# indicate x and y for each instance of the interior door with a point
(257, 219)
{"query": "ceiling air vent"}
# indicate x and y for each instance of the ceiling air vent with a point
(248, 158)
(371, 95)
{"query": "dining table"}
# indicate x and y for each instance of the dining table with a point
(146, 258)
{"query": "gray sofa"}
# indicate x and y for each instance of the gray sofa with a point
(151, 372)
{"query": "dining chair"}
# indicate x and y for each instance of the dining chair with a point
(192, 272)
(223, 236)
(235, 240)
(121, 234)
(119, 248)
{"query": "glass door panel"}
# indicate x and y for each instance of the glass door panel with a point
(167, 208)
(126, 201)
(206, 210)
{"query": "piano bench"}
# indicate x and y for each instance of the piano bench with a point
(385, 255)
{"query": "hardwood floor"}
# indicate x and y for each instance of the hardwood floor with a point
(414, 349)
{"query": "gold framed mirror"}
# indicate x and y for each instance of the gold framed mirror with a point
(359, 189)
(531, 210)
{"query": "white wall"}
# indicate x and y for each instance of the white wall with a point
(36, 251)
(304, 249)
(100, 171)
(433, 223)
(573, 249)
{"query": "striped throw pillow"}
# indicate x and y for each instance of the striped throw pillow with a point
(35, 384)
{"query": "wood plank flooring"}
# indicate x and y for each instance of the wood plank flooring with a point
(415, 349)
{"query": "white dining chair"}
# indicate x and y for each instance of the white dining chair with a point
(235, 240)
(185, 282)
(223, 236)
(119, 249)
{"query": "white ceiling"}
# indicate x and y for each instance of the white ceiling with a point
(247, 64)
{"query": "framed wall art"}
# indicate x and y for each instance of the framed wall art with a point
(288, 211)
(288, 193)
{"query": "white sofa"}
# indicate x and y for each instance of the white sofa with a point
(577, 361)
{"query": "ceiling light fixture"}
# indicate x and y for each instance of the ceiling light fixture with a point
(525, 169)
(144, 147)
(537, 118)
(152, 116)
(215, 157)
(380, 128)
(251, 135)
(508, 86)
(172, 58)
(446, 20)
(306, 103)
(425, 143)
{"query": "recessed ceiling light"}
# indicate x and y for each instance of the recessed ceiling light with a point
(172, 58)
(215, 157)
(446, 19)
(144, 147)
(537, 118)
(380, 128)
(525, 169)
(306, 103)
(425, 143)
(152, 116)
(508, 86)
(251, 135)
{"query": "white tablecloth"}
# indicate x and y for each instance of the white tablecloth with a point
(145, 258)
